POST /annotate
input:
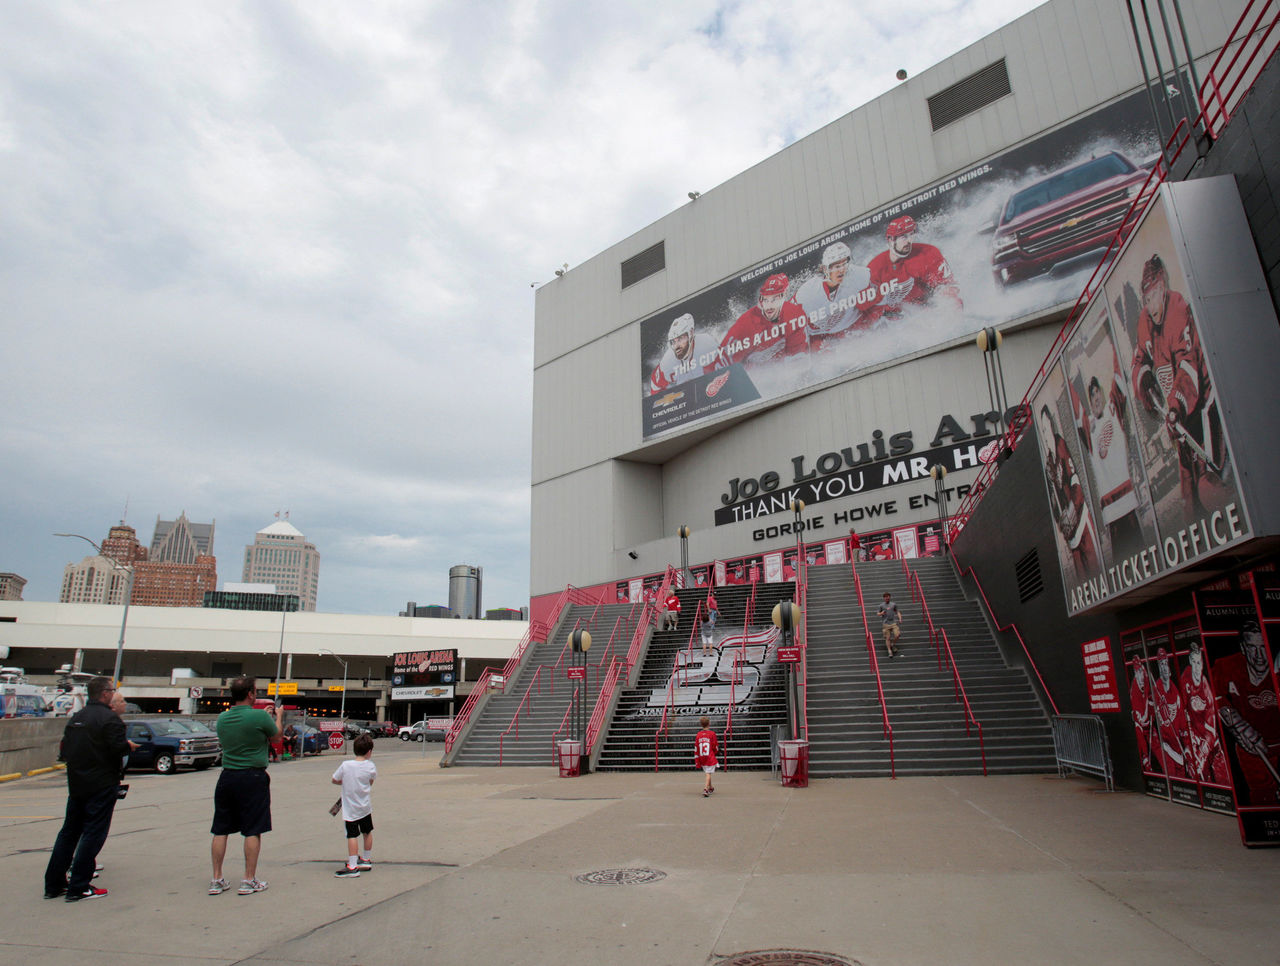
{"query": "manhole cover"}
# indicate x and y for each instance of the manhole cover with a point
(786, 957)
(621, 877)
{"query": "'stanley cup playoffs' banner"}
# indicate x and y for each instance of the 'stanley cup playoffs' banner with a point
(1001, 240)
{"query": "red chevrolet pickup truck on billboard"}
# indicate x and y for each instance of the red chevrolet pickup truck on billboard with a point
(1070, 213)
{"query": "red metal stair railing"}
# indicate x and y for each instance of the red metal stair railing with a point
(875, 667)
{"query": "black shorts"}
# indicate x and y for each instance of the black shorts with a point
(242, 802)
(361, 826)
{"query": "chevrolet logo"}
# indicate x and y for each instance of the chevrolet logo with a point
(1072, 222)
(669, 398)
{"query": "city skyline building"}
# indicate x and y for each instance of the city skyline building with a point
(281, 555)
(11, 586)
(414, 609)
(465, 591)
(102, 578)
(180, 541)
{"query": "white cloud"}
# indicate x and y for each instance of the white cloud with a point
(269, 256)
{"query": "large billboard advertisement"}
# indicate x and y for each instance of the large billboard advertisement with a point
(424, 675)
(1002, 240)
(1138, 467)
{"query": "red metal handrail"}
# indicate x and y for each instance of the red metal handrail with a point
(637, 636)
(942, 645)
(1001, 628)
(663, 724)
(875, 667)
(564, 722)
(963, 698)
(917, 594)
(604, 655)
(536, 631)
(1214, 112)
(1212, 118)
(481, 687)
(1012, 434)
(602, 704)
(526, 701)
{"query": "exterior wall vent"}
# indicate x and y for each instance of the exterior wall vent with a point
(1030, 580)
(969, 94)
(648, 262)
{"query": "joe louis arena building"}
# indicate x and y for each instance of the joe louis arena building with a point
(901, 320)
(809, 330)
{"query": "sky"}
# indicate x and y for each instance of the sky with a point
(272, 256)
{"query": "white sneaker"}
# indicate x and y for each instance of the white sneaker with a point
(218, 886)
(249, 886)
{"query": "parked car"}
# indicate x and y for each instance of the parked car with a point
(166, 743)
(353, 728)
(315, 740)
(1070, 213)
(418, 731)
(389, 729)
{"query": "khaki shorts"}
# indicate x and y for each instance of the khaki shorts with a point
(891, 633)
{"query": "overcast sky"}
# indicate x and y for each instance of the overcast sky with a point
(274, 256)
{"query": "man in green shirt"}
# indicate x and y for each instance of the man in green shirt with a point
(242, 800)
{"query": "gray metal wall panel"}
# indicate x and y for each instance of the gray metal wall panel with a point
(1064, 58)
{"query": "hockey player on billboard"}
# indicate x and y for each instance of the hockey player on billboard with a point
(1171, 718)
(689, 354)
(771, 329)
(1244, 686)
(910, 273)
(1107, 439)
(1066, 496)
(1140, 709)
(834, 304)
(1206, 762)
(1171, 381)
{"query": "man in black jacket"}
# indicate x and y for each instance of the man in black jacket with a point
(94, 746)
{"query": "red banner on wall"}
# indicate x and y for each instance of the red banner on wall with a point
(1100, 676)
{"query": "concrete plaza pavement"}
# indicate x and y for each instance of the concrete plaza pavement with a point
(479, 866)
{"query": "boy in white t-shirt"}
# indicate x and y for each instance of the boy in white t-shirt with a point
(356, 776)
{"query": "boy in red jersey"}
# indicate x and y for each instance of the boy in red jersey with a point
(705, 746)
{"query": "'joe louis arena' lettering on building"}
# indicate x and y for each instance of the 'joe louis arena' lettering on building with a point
(880, 462)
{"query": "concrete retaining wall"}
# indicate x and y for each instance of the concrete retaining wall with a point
(27, 743)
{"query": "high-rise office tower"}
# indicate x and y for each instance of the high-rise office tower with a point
(181, 541)
(280, 555)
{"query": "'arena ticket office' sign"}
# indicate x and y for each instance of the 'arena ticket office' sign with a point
(1140, 415)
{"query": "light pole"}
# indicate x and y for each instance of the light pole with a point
(988, 342)
(939, 474)
(580, 641)
(342, 712)
(284, 609)
(797, 507)
(128, 592)
(683, 534)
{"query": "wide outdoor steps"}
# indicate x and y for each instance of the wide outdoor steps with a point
(631, 743)
(521, 725)
(846, 724)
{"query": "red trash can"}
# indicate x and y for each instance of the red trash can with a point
(570, 758)
(793, 756)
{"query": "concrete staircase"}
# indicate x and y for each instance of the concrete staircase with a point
(760, 702)
(845, 723)
(493, 739)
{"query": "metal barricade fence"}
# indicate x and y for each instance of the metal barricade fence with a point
(1080, 744)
